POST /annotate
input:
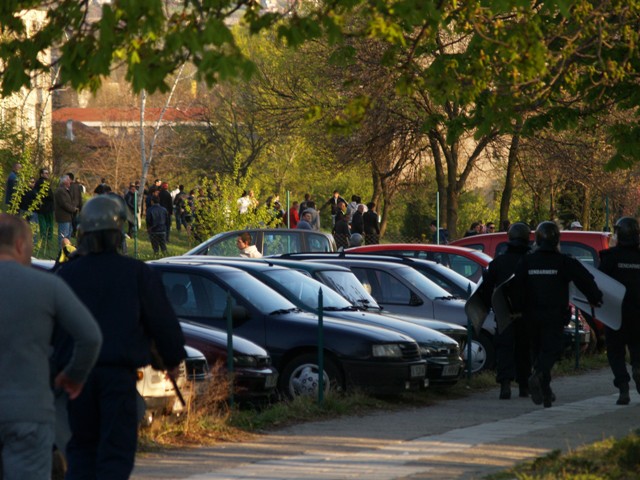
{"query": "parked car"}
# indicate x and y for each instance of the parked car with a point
(449, 279)
(582, 245)
(159, 393)
(255, 378)
(441, 353)
(402, 290)
(344, 282)
(373, 359)
(466, 261)
(269, 241)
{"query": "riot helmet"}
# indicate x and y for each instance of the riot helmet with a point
(104, 212)
(547, 235)
(355, 240)
(627, 232)
(518, 234)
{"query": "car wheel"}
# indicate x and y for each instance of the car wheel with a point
(300, 377)
(483, 354)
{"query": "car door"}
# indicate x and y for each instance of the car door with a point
(201, 299)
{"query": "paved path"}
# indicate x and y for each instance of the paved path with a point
(464, 438)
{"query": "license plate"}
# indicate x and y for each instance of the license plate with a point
(450, 370)
(271, 381)
(418, 371)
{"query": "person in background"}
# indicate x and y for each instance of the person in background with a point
(247, 250)
(167, 202)
(12, 181)
(34, 304)
(490, 227)
(157, 218)
(576, 226)
(76, 189)
(442, 234)
(305, 221)
(622, 262)
(64, 209)
(371, 225)
(293, 215)
(357, 221)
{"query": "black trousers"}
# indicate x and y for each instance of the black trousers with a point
(617, 342)
(104, 426)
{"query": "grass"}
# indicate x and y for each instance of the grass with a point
(609, 459)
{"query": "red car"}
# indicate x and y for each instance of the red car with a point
(466, 261)
(582, 245)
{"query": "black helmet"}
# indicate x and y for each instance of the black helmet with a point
(627, 232)
(547, 235)
(519, 234)
(104, 212)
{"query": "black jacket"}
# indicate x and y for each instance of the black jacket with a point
(157, 218)
(370, 222)
(542, 282)
(623, 264)
(129, 303)
(500, 269)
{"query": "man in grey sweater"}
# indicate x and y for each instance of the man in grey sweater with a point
(33, 303)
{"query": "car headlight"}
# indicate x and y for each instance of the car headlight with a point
(389, 350)
(245, 361)
(427, 351)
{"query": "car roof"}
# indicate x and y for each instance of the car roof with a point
(481, 257)
(310, 266)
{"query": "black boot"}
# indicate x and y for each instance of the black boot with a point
(505, 390)
(623, 398)
(635, 371)
(523, 391)
(535, 388)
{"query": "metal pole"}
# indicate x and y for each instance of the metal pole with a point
(320, 349)
(577, 339)
(438, 218)
(230, 347)
(135, 224)
(469, 349)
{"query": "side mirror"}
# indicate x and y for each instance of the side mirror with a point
(239, 315)
(415, 300)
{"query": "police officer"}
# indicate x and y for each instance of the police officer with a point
(622, 262)
(541, 284)
(513, 360)
(130, 305)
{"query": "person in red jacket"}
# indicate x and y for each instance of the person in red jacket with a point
(294, 215)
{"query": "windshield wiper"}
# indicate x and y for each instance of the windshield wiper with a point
(350, 308)
(283, 311)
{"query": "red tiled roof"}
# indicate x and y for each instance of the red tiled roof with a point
(108, 115)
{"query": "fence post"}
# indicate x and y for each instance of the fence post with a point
(469, 349)
(320, 349)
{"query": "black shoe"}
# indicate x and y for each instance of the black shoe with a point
(547, 402)
(535, 388)
(523, 391)
(505, 390)
(623, 398)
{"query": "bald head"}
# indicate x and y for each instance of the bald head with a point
(15, 239)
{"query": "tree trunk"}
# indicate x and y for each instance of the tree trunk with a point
(505, 200)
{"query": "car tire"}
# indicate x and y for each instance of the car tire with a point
(483, 353)
(300, 377)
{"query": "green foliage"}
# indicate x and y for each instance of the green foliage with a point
(216, 208)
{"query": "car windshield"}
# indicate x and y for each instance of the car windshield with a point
(446, 278)
(256, 293)
(423, 284)
(306, 289)
(348, 285)
(482, 255)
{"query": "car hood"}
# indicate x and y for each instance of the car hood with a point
(219, 337)
(448, 328)
(419, 333)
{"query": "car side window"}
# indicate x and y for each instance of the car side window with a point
(226, 247)
(580, 251)
(386, 288)
(465, 267)
(318, 243)
(277, 243)
(193, 296)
